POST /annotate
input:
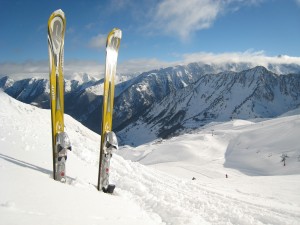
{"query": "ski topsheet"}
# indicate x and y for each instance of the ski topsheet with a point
(108, 138)
(60, 140)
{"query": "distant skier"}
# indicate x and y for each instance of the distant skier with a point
(193, 178)
(284, 156)
(226, 175)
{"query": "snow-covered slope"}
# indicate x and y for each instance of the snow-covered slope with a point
(253, 148)
(248, 152)
(28, 193)
(144, 195)
(259, 148)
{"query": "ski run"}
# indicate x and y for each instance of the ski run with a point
(154, 181)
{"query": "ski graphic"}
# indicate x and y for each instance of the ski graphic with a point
(108, 138)
(60, 140)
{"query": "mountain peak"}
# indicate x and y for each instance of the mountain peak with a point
(6, 82)
(84, 78)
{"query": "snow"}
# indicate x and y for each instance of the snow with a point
(154, 181)
(28, 193)
(83, 78)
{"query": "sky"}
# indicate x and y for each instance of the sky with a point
(156, 33)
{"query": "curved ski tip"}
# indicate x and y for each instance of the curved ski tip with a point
(116, 32)
(59, 12)
(113, 39)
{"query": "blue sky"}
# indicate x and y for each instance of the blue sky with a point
(156, 33)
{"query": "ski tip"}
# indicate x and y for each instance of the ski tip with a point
(117, 33)
(114, 38)
(58, 12)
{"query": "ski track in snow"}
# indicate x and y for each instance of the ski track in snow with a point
(179, 202)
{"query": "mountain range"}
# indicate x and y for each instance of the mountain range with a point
(165, 102)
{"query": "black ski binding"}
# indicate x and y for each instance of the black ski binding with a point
(110, 189)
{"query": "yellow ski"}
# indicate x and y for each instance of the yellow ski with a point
(60, 140)
(108, 138)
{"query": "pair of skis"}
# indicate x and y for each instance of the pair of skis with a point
(60, 140)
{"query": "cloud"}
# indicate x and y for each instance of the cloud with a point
(256, 58)
(73, 68)
(120, 4)
(24, 70)
(98, 41)
(70, 30)
(250, 57)
(90, 26)
(142, 65)
(40, 69)
(182, 18)
(91, 67)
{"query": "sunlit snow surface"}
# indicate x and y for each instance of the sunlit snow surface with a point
(154, 184)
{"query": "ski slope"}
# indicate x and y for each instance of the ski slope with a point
(154, 183)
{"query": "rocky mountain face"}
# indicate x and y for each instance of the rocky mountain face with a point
(32, 91)
(166, 102)
(250, 94)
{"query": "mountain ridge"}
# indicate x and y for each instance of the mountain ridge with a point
(165, 102)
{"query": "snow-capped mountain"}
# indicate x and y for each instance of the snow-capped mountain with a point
(34, 91)
(83, 78)
(165, 102)
(182, 102)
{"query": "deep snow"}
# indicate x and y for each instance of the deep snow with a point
(154, 184)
